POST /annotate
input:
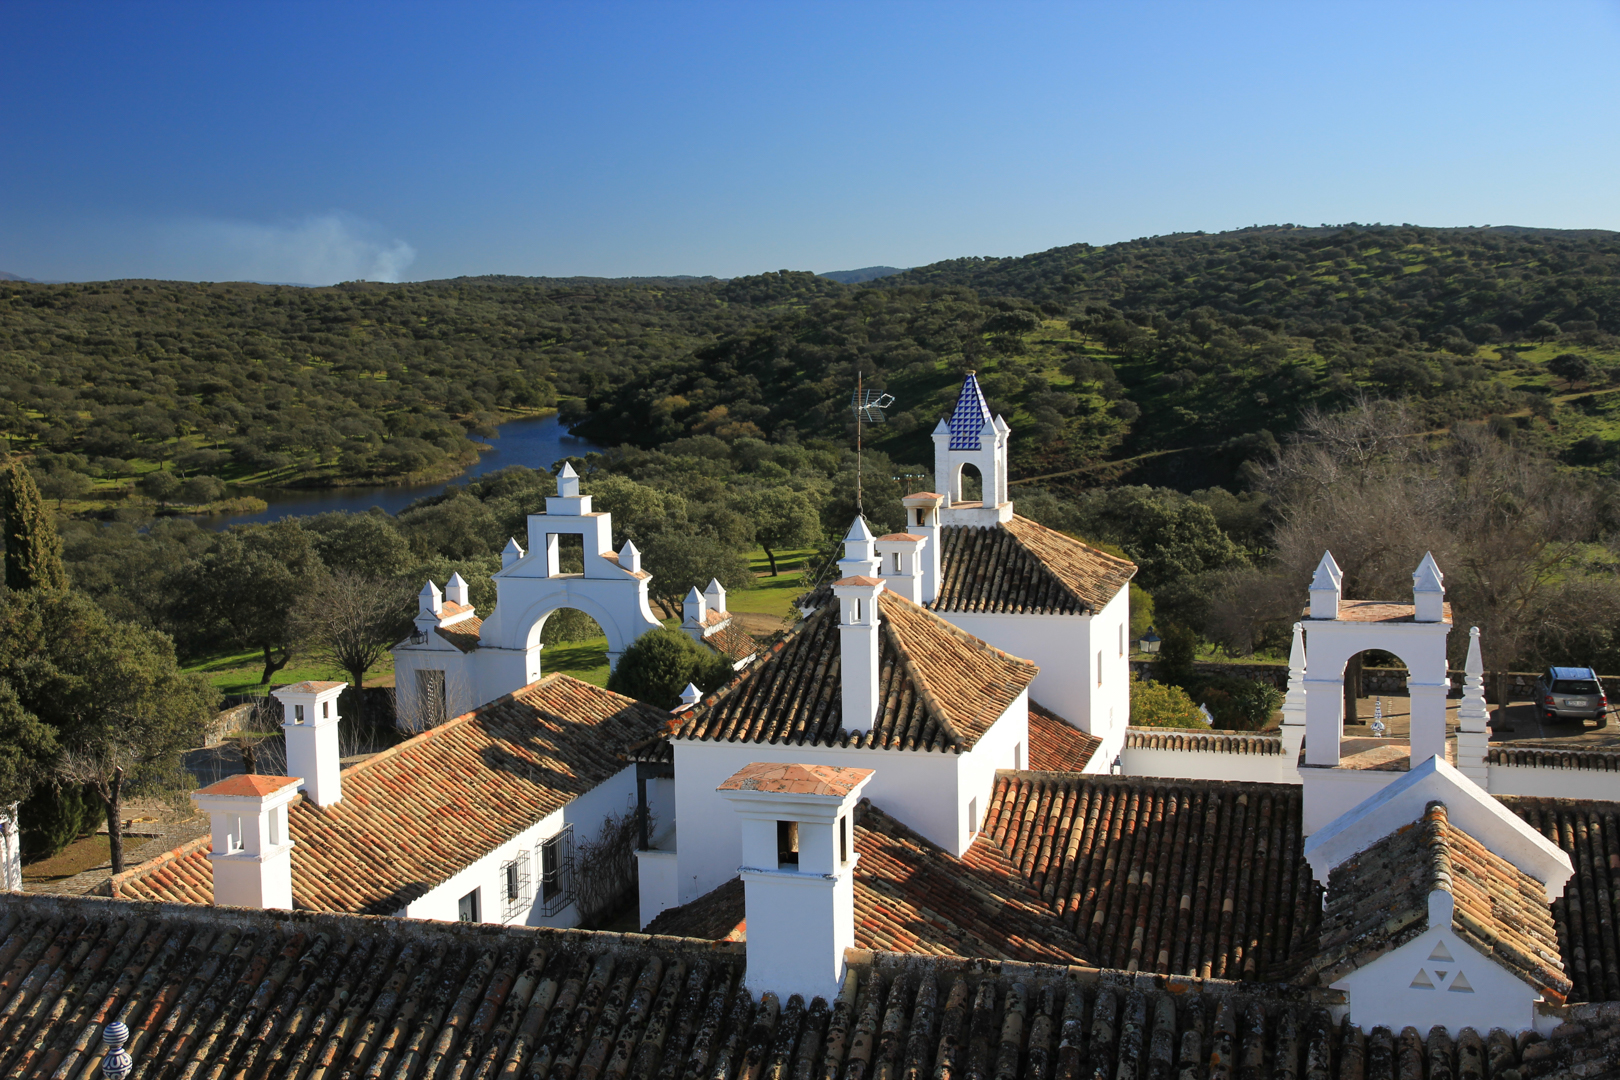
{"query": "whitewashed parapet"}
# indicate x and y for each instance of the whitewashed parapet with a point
(1196, 755)
(1553, 772)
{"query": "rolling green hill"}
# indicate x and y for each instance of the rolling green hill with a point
(1172, 359)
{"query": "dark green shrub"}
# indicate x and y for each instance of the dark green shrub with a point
(661, 662)
(54, 817)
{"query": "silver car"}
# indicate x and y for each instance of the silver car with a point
(1572, 693)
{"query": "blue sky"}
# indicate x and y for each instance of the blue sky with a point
(321, 142)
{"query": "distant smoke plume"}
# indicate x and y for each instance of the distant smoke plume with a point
(316, 250)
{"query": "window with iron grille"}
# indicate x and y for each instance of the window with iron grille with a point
(516, 893)
(556, 857)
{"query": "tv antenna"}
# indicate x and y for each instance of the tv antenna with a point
(868, 406)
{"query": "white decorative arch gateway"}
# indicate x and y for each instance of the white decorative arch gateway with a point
(1338, 629)
(503, 655)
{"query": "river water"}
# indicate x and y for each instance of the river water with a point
(537, 443)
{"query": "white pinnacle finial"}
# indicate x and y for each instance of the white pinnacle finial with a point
(630, 557)
(456, 590)
(567, 482)
(693, 595)
(1472, 712)
(858, 532)
(1328, 575)
(1293, 709)
(942, 428)
(691, 695)
(1427, 577)
(511, 553)
(431, 599)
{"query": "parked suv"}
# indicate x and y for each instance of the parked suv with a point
(1572, 693)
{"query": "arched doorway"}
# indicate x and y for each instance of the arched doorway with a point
(1371, 677)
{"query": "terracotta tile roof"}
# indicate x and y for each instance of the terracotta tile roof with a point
(776, 778)
(1022, 567)
(463, 635)
(859, 579)
(419, 812)
(1533, 756)
(1193, 877)
(901, 536)
(734, 642)
(1378, 900)
(1205, 742)
(278, 995)
(1380, 611)
(1055, 745)
(449, 608)
(912, 896)
(309, 687)
(254, 785)
(941, 688)
(1585, 916)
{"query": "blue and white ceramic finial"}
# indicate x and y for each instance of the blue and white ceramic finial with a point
(117, 1064)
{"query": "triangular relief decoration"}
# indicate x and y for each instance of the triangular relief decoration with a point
(1461, 985)
(1440, 952)
(1422, 981)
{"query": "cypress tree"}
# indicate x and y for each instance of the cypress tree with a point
(33, 547)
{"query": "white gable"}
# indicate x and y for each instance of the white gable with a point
(1468, 806)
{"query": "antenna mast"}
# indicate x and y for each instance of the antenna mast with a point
(868, 406)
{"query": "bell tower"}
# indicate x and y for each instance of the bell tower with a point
(970, 436)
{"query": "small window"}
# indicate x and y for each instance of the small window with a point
(467, 907)
(843, 839)
(515, 892)
(275, 827)
(556, 871)
(233, 835)
(1099, 667)
(857, 615)
(973, 815)
(787, 843)
(1122, 639)
(326, 710)
(1018, 756)
(895, 556)
(298, 714)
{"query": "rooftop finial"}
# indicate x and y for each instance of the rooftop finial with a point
(117, 1064)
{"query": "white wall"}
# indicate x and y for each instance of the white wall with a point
(585, 814)
(461, 690)
(1552, 783)
(1065, 647)
(1206, 765)
(928, 791)
(1331, 792)
(1381, 993)
(658, 880)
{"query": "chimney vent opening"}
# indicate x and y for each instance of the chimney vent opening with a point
(787, 843)
(298, 714)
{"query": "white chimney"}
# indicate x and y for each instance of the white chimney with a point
(310, 722)
(860, 552)
(858, 624)
(798, 867)
(922, 519)
(694, 609)
(1428, 591)
(456, 591)
(430, 600)
(252, 851)
(512, 553)
(1325, 586)
(900, 563)
(715, 595)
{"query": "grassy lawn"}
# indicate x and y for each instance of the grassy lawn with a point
(83, 854)
(239, 672)
(773, 595)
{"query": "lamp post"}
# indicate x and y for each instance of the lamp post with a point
(1150, 642)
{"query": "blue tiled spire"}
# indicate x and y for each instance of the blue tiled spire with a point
(970, 416)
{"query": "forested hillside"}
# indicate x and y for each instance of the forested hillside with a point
(1178, 360)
